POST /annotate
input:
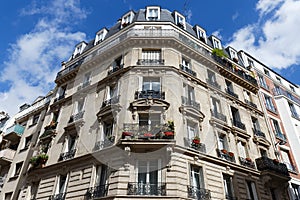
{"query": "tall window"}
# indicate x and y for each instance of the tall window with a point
(211, 76)
(229, 87)
(100, 36)
(277, 90)
(61, 92)
(61, 186)
(269, 103)
(112, 91)
(216, 43)
(153, 13)
(222, 142)
(247, 96)
(228, 187)
(293, 110)
(295, 191)
(151, 54)
(35, 119)
(242, 149)
(255, 124)
(18, 168)
(151, 83)
(86, 79)
(196, 177)
(262, 81)
(108, 128)
(180, 20)
(79, 106)
(276, 127)
(235, 115)
(216, 108)
(189, 94)
(102, 174)
(27, 142)
(251, 190)
(250, 62)
(185, 63)
(233, 54)
(192, 129)
(286, 159)
(201, 34)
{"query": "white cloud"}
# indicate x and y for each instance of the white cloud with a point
(217, 33)
(35, 57)
(274, 38)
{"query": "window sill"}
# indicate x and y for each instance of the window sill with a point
(13, 178)
(272, 110)
(31, 125)
(24, 149)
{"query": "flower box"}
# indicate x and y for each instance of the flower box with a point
(224, 151)
(148, 135)
(196, 141)
(231, 154)
(168, 133)
(248, 159)
(125, 133)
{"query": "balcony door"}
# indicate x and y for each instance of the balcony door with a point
(149, 122)
(235, 115)
(196, 177)
(215, 106)
(102, 175)
(151, 84)
(189, 94)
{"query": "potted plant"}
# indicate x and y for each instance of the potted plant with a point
(231, 154)
(43, 158)
(224, 151)
(34, 161)
(126, 134)
(219, 52)
(248, 159)
(275, 161)
(169, 132)
(196, 140)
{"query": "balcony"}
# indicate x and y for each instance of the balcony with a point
(250, 103)
(145, 94)
(115, 69)
(60, 196)
(279, 91)
(150, 62)
(188, 102)
(14, 132)
(198, 193)
(59, 98)
(247, 162)
(67, 155)
(223, 153)
(111, 101)
(139, 188)
(146, 132)
(213, 84)
(96, 192)
(219, 116)
(259, 133)
(188, 70)
(104, 143)
(188, 142)
(239, 124)
(76, 117)
(280, 136)
(267, 164)
(69, 69)
(231, 93)
(6, 156)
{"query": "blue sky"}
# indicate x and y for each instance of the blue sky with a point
(38, 35)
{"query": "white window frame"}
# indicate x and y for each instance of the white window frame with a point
(67, 147)
(222, 141)
(151, 81)
(127, 18)
(57, 187)
(150, 16)
(194, 172)
(252, 190)
(159, 172)
(79, 48)
(225, 184)
(100, 36)
(192, 129)
(201, 33)
(242, 148)
(81, 103)
(216, 43)
(233, 53)
(180, 19)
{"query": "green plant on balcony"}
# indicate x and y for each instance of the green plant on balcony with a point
(219, 52)
(169, 129)
(43, 158)
(33, 160)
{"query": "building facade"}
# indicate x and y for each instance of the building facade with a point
(151, 108)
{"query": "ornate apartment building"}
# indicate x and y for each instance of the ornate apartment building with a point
(151, 108)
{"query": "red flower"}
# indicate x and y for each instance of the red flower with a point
(196, 141)
(169, 133)
(224, 151)
(231, 154)
(126, 133)
(148, 135)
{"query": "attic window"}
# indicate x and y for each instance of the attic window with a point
(127, 19)
(100, 36)
(79, 48)
(180, 20)
(201, 34)
(216, 43)
(233, 55)
(153, 13)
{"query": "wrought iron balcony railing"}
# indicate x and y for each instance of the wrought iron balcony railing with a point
(76, 117)
(250, 103)
(67, 155)
(188, 102)
(188, 70)
(239, 124)
(59, 98)
(153, 131)
(139, 188)
(267, 164)
(188, 142)
(230, 92)
(198, 193)
(247, 162)
(150, 62)
(104, 143)
(144, 94)
(259, 133)
(213, 83)
(111, 101)
(97, 192)
(218, 115)
(228, 197)
(60, 196)
(70, 68)
(113, 70)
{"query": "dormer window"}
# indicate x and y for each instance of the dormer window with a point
(100, 36)
(216, 42)
(180, 20)
(79, 49)
(127, 19)
(201, 34)
(233, 55)
(153, 13)
(250, 62)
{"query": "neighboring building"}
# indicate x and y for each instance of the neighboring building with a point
(149, 109)
(282, 109)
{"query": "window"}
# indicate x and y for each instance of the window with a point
(222, 142)
(61, 186)
(192, 129)
(180, 20)
(263, 153)
(86, 79)
(127, 19)
(149, 119)
(216, 108)
(295, 191)
(112, 91)
(79, 48)
(247, 96)
(292, 88)
(286, 160)
(266, 72)
(262, 82)
(278, 79)
(100, 36)
(211, 76)
(18, 168)
(233, 54)
(242, 149)
(201, 34)
(276, 127)
(151, 83)
(35, 119)
(153, 13)
(196, 177)
(185, 63)
(293, 110)
(8, 196)
(189, 94)
(277, 90)
(251, 190)
(69, 148)
(235, 115)
(27, 142)
(255, 124)
(230, 88)
(61, 92)
(250, 62)
(216, 43)
(228, 187)
(269, 103)
(151, 55)
(117, 63)
(79, 106)
(108, 128)
(102, 174)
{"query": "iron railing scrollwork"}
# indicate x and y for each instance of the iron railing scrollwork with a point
(139, 188)
(198, 193)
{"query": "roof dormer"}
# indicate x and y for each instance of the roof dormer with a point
(100, 36)
(201, 33)
(127, 19)
(216, 42)
(179, 20)
(152, 13)
(79, 49)
(233, 54)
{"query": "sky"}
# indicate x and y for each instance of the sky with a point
(38, 35)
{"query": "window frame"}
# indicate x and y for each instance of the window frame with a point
(180, 20)
(157, 13)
